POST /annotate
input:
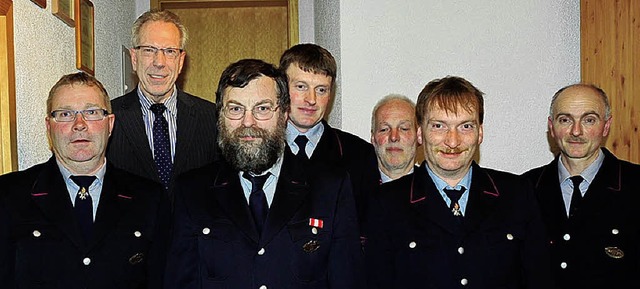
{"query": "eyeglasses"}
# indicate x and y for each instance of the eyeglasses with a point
(151, 51)
(259, 112)
(87, 114)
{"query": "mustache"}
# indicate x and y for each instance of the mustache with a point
(450, 150)
(576, 139)
(250, 132)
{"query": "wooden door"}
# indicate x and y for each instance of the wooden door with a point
(610, 59)
(8, 149)
(222, 32)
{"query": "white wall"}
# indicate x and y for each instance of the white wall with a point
(518, 55)
(45, 50)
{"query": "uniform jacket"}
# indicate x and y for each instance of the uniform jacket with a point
(416, 242)
(216, 244)
(195, 136)
(599, 246)
(41, 245)
(343, 150)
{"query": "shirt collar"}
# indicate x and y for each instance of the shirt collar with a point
(313, 134)
(274, 170)
(66, 174)
(441, 184)
(171, 103)
(588, 174)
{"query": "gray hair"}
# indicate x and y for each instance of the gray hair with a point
(598, 90)
(385, 100)
(162, 16)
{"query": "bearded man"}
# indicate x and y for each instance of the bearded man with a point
(256, 219)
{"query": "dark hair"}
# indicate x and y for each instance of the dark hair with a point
(79, 78)
(310, 58)
(240, 73)
(448, 93)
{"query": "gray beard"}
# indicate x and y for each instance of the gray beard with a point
(249, 156)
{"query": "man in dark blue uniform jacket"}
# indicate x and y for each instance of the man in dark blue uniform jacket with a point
(76, 221)
(291, 229)
(588, 197)
(452, 223)
(311, 71)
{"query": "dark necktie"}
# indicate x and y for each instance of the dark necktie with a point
(576, 196)
(454, 196)
(83, 207)
(301, 141)
(161, 144)
(257, 199)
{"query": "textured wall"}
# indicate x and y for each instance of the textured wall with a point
(45, 50)
(327, 30)
(519, 55)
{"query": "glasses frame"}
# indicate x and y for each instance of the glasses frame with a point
(164, 51)
(272, 112)
(81, 112)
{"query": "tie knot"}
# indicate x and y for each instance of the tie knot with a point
(256, 181)
(301, 141)
(83, 181)
(576, 180)
(158, 109)
(454, 195)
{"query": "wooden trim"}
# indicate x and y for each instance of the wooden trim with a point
(221, 4)
(294, 29)
(8, 144)
(292, 9)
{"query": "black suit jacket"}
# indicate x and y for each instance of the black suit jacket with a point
(343, 150)
(195, 136)
(41, 245)
(415, 241)
(216, 244)
(600, 244)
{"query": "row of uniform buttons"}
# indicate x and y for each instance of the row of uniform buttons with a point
(567, 237)
(463, 281)
(86, 261)
(207, 231)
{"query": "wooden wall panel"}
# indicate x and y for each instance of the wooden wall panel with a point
(610, 58)
(222, 32)
(220, 36)
(8, 147)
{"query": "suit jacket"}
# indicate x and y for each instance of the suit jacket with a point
(41, 244)
(343, 150)
(216, 244)
(600, 244)
(416, 242)
(195, 136)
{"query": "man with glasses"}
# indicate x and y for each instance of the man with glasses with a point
(161, 131)
(76, 221)
(255, 219)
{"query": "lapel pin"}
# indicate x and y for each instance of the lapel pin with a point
(136, 258)
(311, 246)
(614, 252)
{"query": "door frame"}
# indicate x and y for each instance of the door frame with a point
(8, 143)
(292, 9)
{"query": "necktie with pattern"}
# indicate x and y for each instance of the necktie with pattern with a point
(83, 207)
(454, 196)
(161, 144)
